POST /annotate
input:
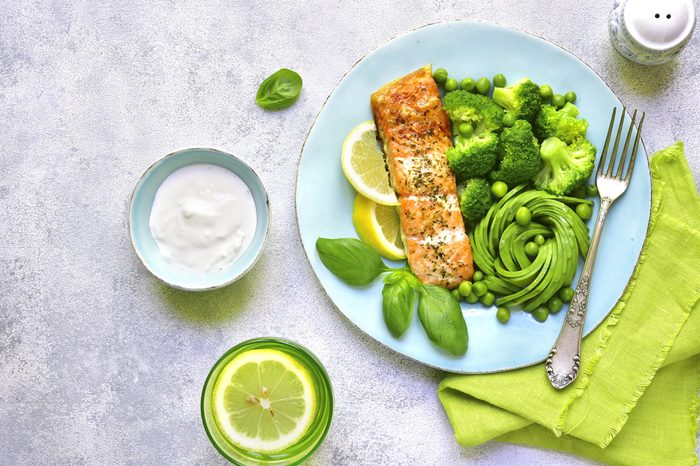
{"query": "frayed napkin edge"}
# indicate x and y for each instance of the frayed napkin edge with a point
(609, 323)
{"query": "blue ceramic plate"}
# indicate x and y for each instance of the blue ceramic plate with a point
(325, 198)
(140, 213)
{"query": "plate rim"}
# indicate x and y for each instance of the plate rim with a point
(332, 92)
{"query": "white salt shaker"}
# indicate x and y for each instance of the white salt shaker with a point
(651, 32)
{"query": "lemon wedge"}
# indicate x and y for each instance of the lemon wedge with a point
(362, 161)
(379, 226)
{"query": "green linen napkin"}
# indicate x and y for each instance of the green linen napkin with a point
(636, 397)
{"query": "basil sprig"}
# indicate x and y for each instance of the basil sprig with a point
(399, 298)
(351, 260)
(279, 90)
(442, 319)
(356, 263)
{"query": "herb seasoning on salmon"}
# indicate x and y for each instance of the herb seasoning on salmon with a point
(415, 133)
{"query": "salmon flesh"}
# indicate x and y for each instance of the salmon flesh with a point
(415, 133)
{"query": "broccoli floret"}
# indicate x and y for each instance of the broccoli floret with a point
(477, 110)
(475, 200)
(561, 123)
(565, 166)
(519, 155)
(522, 99)
(474, 156)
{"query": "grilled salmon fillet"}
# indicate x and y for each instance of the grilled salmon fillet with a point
(415, 133)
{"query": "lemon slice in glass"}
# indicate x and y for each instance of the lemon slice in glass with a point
(379, 226)
(264, 401)
(362, 161)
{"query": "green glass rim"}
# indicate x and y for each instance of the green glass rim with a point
(311, 440)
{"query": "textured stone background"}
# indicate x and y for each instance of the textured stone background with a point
(102, 364)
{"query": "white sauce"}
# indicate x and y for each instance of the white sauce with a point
(203, 218)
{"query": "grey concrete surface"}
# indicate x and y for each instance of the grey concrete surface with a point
(102, 364)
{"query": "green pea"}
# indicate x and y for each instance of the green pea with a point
(558, 100)
(465, 288)
(440, 75)
(508, 120)
(523, 216)
(479, 289)
(471, 298)
(591, 190)
(466, 130)
(483, 85)
(499, 189)
(468, 84)
(499, 80)
(451, 85)
(566, 294)
(540, 314)
(539, 240)
(531, 249)
(488, 299)
(478, 275)
(554, 305)
(570, 96)
(455, 294)
(503, 315)
(584, 211)
(546, 91)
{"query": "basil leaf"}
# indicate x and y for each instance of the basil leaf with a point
(442, 319)
(279, 90)
(351, 260)
(412, 279)
(398, 303)
(394, 277)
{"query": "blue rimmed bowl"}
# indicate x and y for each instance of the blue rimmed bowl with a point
(140, 213)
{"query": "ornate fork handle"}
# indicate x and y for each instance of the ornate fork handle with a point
(564, 359)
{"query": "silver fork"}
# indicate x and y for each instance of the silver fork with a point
(564, 359)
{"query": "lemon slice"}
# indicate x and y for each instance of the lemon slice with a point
(379, 226)
(363, 164)
(264, 401)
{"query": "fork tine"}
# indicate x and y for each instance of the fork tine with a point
(634, 149)
(604, 153)
(623, 155)
(613, 154)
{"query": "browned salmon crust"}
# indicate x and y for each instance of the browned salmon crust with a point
(415, 133)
